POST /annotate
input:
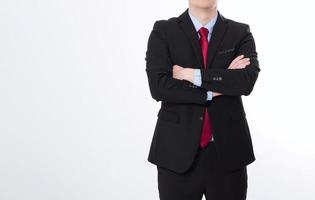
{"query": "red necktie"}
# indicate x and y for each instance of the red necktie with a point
(206, 130)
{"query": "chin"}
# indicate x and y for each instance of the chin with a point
(204, 4)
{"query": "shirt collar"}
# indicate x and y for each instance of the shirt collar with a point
(198, 25)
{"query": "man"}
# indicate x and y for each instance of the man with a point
(198, 65)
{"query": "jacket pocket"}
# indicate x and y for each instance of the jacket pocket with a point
(225, 52)
(169, 116)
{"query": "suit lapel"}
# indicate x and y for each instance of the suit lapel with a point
(216, 38)
(217, 35)
(188, 27)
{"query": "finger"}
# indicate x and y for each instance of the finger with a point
(236, 59)
(244, 60)
(232, 67)
(248, 63)
(241, 65)
(237, 63)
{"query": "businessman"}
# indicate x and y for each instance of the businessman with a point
(199, 65)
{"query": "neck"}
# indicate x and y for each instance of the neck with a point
(204, 15)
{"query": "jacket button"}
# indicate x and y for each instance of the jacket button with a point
(201, 118)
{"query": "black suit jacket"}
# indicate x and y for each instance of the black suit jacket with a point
(179, 124)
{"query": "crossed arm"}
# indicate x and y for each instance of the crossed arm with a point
(173, 83)
(194, 75)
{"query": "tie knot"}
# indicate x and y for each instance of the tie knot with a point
(203, 32)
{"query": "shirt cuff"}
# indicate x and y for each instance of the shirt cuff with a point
(197, 77)
(209, 95)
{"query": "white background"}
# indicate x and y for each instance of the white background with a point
(77, 118)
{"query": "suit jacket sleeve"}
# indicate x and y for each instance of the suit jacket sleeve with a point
(163, 87)
(234, 81)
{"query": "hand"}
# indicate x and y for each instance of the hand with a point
(182, 73)
(239, 62)
(215, 94)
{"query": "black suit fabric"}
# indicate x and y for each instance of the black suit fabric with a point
(177, 132)
(205, 177)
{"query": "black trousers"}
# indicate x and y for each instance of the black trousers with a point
(204, 177)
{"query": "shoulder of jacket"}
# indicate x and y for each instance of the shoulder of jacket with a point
(236, 25)
(165, 23)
